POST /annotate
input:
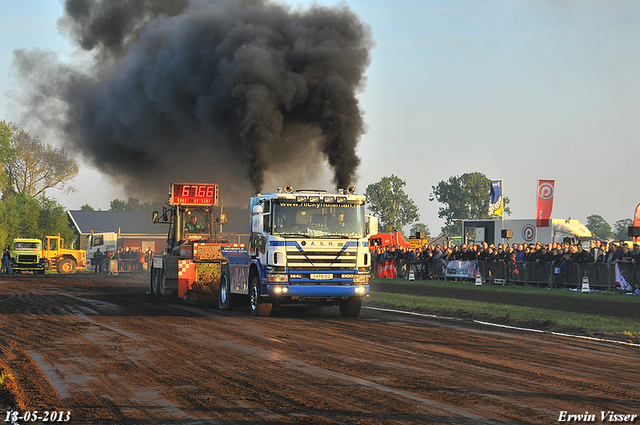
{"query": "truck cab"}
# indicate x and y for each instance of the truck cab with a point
(26, 255)
(311, 247)
(105, 242)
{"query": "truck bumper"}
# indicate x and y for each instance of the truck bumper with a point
(23, 266)
(275, 291)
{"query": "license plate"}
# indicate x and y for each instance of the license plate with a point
(318, 276)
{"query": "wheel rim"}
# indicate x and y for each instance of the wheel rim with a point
(65, 267)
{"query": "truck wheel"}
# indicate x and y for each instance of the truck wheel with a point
(257, 308)
(351, 307)
(157, 282)
(225, 297)
(66, 266)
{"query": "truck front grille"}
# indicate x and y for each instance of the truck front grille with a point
(27, 258)
(321, 259)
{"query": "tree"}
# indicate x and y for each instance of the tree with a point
(388, 201)
(23, 216)
(33, 166)
(133, 204)
(53, 219)
(466, 197)
(599, 226)
(419, 227)
(5, 150)
(621, 229)
(87, 207)
(117, 205)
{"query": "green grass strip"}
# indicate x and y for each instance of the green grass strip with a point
(450, 306)
(522, 289)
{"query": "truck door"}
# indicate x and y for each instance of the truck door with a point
(51, 246)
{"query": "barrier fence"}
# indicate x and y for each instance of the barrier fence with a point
(602, 276)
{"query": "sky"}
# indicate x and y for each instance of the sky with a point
(516, 90)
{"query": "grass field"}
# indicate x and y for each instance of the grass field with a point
(601, 313)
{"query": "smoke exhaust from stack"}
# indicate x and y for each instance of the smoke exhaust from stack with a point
(218, 91)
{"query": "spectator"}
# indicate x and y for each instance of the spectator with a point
(625, 255)
(564, 263)
(140, 262)
(97, 261)
(636, 263)
(6, 262)
(438, 253)
(492, 252)
(542, 255)
(520, 253)
(555, 256)
(593, 250)
(484, 254)
(148, 257)
(611, 253)
(581, 256)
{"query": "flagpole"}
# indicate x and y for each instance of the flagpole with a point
(536, 198)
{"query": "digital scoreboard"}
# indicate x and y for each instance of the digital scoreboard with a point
(194, 194)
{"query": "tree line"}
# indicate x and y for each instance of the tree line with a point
(464, 197)
(603, 230)
(28, 168)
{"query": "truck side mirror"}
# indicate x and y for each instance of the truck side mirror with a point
(257, 209)
(257, 222)
(154, 217)
(372, 225)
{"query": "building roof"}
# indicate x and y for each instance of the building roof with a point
(124, 222)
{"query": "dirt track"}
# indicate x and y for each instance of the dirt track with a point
(103, 350)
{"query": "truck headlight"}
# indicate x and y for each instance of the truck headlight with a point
(360, 289)
(278, 278)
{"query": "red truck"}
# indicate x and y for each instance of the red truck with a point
(394, 238)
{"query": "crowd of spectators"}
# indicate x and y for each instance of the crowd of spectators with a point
(126, 260)
(557, 254)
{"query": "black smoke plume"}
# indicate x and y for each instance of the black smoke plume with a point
(221, 91)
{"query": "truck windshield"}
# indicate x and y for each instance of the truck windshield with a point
(26, 246)
(196, 224)
(319, 220)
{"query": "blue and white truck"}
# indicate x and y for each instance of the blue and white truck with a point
(309, 246)
(306, 247)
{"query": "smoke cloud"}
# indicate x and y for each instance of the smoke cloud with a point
(221, 91)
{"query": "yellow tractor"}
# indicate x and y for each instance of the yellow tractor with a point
(64, 260)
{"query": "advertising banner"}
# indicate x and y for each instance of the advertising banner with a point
(545, 202)
(460, 268)
(496, 204)
(386, 269)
